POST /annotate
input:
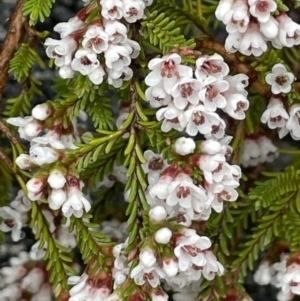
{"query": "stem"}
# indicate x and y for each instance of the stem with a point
(11, 43)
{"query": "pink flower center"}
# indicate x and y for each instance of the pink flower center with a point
(223, 195)
(156, 164)
(198, 118)
(97, 41)
(212, 68)
(240, 106)
(192, 250)
(9, 223)
(169, 69)
(276, 119)
(281, 80)
(263, 6)
(183, 192)
(211, 93)
(186, 90)
(85, 61)
(133, 11)
(148, 276)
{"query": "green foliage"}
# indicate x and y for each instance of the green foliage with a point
(164, 33)
(58, 263)
(267, 192)
(82, 94)
(90, 242)
(21, 105)
(37, 10)
(22, 62)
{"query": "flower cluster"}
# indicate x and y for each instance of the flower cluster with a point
(258, 150)
(24, 277)
(252, 23)
(83, 45)
(58, 185)
(284, 274)
(190, 98)
(277, 117)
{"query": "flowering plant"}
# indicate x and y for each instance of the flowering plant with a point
(157, 170)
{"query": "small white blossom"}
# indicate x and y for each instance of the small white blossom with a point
(163, 236)
(184, 146)
(262, 9)
(95, 39)
(12, 222)
(280, 79)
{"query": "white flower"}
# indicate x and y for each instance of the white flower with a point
(95, 39)
(147, 257)
(184, 146)
(170, 267)
(262, 9)
(60, 50)
(158, 214)
(21, 203)
(270, 28)
(276, 115)
(280, 79)
(291, 279)
(224, 6)
(237, 18)
(23, 161)
(75, 203)
(211, 95)
(117, 57)
(251, 153)
(42, 111)
(253, 42)
(212, 65)
(233, 42)
(57, 198)
(40, 155)
(186, 91)
(66, 71)
(12, 222)
(163, 236)
(210, 147)
(96, 76)
(112, 9)
(66, 28)
(172, 118)
(199, 119)
(116, 31)
(182, 191)
(85, 61)
(28, 126)
(116, 78)
(11, 292)
(289, 31)
(293, 124)
(133, 10)
(264, 273)
(157, 95)
(189, 249)
(56, 179)
(168, 70)
(44, 294)
(152, 275)
(268, 151)
(212, 267)
(36, 253)
(236, 106)
(154, 166)
(32, 282)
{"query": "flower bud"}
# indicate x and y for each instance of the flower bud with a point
(57, 198)
(56, 180)
(158, 214)
(23, 161)
(147, 257)
(170, 267)
(163, 236)
(211, 147)
(35, 185)
(41, 112)
(184, 146)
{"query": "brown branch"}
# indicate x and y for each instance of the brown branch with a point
(238, 67)
(5, 130)
(6, 159)
(11, 43)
